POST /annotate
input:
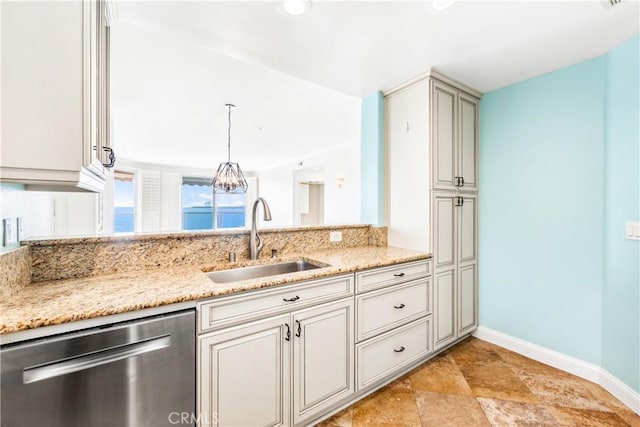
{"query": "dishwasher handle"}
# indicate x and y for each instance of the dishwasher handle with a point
(91, 360)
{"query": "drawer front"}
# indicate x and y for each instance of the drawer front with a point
(385, 276)
(384, 309)
(235, 309)
(381, 357)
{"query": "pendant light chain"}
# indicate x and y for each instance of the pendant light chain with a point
(229, 134)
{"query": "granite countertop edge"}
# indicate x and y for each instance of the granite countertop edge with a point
(62, 301)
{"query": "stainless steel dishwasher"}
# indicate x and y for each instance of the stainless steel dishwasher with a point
(138, 373)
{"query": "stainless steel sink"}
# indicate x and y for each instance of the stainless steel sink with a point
(254, 272)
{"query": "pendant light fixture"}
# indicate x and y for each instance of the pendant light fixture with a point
(229, 178)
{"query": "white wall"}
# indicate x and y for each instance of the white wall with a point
(342, 205)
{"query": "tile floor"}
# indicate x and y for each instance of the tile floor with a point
(480, 384)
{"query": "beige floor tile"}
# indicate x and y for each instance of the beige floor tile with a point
(341, 419)
(393, 405)
(587, 418)
(440, 375)
(442, 410)
(504, 413)
(475, 351)
(564, 391)
(497, 382)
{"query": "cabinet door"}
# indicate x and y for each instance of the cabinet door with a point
(95, 101)
(244, 375)
(443, 135)
(467, 229)
(467, 279)
(443, 230)
(467, 151)
(323, 362)
(445, 308)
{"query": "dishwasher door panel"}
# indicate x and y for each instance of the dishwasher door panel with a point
(134, 374)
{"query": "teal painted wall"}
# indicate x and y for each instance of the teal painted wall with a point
(560, 175)
(541, 210)
(372, 160)
(621, 285)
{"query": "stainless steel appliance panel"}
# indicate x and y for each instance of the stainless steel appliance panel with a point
(139, 373)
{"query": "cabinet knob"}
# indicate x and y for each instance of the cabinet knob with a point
(399, 350)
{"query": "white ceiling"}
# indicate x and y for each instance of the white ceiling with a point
(359, 47)
(298, 80)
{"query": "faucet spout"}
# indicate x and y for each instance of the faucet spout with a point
(255, 242)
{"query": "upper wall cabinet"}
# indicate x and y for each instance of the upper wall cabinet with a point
(55, 95)
(454, 118)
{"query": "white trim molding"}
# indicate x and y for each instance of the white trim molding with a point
(577, 367)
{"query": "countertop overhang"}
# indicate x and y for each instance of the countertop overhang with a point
(63, 301)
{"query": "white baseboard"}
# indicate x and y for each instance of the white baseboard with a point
(577, 367)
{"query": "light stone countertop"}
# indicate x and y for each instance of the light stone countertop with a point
(62, 301)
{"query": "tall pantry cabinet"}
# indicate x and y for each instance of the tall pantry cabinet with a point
(432, 191)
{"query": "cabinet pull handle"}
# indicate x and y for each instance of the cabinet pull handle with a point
(456, 181)
(299, 329)
(461, 201)
(399, 275)
(399, 306)
(296, 298)
(461, 181)
(400, 350)
(112, 158)
(288, 336)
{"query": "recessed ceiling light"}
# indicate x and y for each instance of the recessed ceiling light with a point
(296, 7)
(441, 4)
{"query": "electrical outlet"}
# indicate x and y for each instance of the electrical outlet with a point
(8, 225)
(632, 230)
(335, 236)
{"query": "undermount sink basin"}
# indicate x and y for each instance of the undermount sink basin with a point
(254, 272)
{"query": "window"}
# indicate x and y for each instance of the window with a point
(202, 210)
(123, 202)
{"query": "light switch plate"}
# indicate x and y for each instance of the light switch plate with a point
(335, 236)
(632, 230)
(20, 222)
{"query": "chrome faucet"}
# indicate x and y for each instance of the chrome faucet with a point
(255, 242)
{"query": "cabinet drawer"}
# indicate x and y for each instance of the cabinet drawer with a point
(384, 309)
(385, 276)
(235, 309)
(380, 357)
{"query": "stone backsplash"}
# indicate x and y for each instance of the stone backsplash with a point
(94, 256)
(15, 271)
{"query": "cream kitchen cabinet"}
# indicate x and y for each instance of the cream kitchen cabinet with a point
(323, 360)
(454, 233)
(454, 138)
(55, 95)
(286, 369)
(244, 375)
(393, 321)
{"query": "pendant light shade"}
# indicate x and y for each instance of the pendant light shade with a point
(229, 178)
